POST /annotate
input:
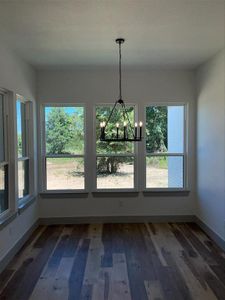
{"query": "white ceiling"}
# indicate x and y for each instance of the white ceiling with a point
(158, 33)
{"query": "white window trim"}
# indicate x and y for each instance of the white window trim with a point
(183, 154)
(134, 154)
(90, 154)
(6, 161)
(43, 170)
(29, 123)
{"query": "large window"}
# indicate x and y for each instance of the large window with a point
(115, 162)
(23, 149)
(4, 199)
(165, 146)
(64, 147)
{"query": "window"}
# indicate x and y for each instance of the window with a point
(165, 146)
(23, 147)
(64, 147)
(4, 165)
(115, 162)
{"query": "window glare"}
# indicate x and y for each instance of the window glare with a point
(175, 130)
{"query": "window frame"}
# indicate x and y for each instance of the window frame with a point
(169, 154)
(29, 146)
(44, 156)
(96, 155)
(6, 161)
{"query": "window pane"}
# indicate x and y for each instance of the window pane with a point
(65, 173)
(3, 189)
(164, 172)
(23, 178)
(2, 150)
(115, 172)
(102, 114)
(21, 129)
(64, 130)
(165, 129)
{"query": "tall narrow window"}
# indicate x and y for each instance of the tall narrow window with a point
(22, 111)
(165, 146)
(115, 161)
(64, 147)
(4, 199)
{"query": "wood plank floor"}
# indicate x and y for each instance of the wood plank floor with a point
(116, 261)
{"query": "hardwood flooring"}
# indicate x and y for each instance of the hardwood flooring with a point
(116, 261)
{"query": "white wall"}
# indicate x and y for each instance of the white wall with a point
(211, 143)
(18, 77)
(100, 86)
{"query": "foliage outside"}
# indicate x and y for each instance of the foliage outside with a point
(19, 145)
(65, 135)
(156, 129)
(156, 135)
(65, 131)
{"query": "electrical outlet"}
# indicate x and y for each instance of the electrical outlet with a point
(120, 203)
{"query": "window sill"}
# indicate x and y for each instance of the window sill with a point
(7, 219)
(65, 194)
(115, 192)
(26, 203)
(166, 191)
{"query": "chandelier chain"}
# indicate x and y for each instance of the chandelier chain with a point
(120, 73)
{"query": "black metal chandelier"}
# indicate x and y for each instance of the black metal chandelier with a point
(126, 132)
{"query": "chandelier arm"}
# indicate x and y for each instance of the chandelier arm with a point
(111, 113)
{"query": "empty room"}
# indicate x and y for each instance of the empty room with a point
(112, 149)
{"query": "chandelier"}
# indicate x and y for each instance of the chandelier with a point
(125, 131)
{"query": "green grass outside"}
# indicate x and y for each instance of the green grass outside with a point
(158, 162)
(63, 160)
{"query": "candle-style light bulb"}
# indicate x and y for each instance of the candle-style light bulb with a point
(117, 130)
(135, 129)
(102, 126)
(140, 125)
(124, 130)
(101, 130)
